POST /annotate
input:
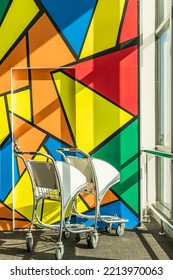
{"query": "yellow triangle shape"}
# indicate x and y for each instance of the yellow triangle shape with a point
(19, 16)
(23, 196)
(19, 103)
(4, 127)
(51, 213)
(41, 158)
(104, 27)
(96, 118)
(66, 89)
(92, 117)
(81, 207)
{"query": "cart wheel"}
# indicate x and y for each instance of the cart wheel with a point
(92, 240)
(59, 252)
(108, 227)
(120, 229)
(77, 237)
(66, 234)
(29, 243)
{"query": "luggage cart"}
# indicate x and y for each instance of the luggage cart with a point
(46, 185)
(74, 182)
(57, 181)
(101, 174)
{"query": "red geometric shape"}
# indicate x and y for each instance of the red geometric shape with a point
(130, 24)
(114, 76)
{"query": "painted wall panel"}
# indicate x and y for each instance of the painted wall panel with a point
(69, 77)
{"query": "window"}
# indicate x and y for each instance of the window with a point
(163, 105)
(164, 96)
(162, 9)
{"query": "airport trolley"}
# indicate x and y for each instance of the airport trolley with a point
(101, 174)
(57, 181)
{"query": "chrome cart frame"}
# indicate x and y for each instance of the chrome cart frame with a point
(71, 197)
(58, 181)
(46, 185)
(101, 174)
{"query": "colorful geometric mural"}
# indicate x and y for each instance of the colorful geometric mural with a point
(69, 78)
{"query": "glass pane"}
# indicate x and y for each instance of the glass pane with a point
(162, 10)
(164, 105)
(164, 184)
(163, 193)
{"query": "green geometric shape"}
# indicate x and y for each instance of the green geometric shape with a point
(132, 198)
(129, 142)
(128, 170)
(123, 153)
(3, 6)
(127, 188)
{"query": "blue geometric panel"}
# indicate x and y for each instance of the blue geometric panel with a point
(115, 208)
(121, 210)
(72, 18)
(6, 169)
(16, 171)
(51, 145)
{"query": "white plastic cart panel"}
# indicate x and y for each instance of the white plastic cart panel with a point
(107, 175)
(72, 180)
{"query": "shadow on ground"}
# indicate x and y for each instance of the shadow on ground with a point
(143, 243)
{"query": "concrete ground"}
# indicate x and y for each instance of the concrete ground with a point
(143, 243)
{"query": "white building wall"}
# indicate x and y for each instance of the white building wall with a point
(147, 96)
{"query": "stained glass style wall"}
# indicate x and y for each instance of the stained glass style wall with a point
(69, 77)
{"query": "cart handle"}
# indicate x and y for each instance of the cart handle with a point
(72, 149)
(25, 153)
(20, 153)
(61, 150)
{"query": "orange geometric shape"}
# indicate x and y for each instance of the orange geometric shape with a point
(5, 212)
(18, 224)
(20, 78)
(48, 114)
(46, 47)
(6, 225)
(90, 198)
(108, 198)
(29, 137)
(16, 58)
(6, 219)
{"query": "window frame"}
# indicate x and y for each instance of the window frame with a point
(159, 30)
